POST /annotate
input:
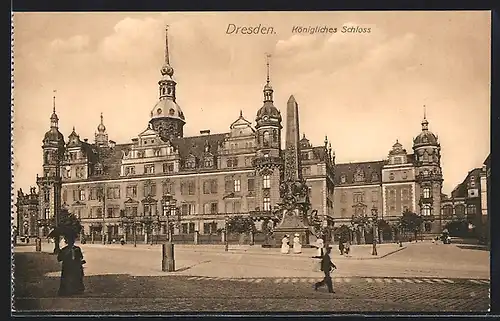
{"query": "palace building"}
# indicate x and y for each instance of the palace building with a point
(403, 181)
(210, 176)
(214, 175)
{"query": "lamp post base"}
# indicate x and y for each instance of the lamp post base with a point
(374, 250)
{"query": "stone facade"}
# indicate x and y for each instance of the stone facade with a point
(27, 212)
(210, 176)
(470, 201)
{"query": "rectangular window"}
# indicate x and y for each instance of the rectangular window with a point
(343, 197)
(184, 228)
(184, 188)
(131, 191)
(213, 186)
(130, 170)
(214, 208)
(358, 198)
(471, 209)
(191, 187)
(228, 187)
(82, 195)
(184, 209)
(98, 212)
(46, 195)
(251, 204)
(149, 169)
(266, 204)
(191, 228)
(167, 188)
(168, 168)
(251, 184)
(149, 190)
(266, 181)
(110, 212)
(374, 196)
(46, 214)
(237, 207)
(405, 195)
(237, 185)
(206, 187)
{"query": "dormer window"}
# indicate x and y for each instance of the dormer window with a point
(391, 176)
(359, 176)
(190, 163)
(208, 162)
(374, 176)
(343, 179)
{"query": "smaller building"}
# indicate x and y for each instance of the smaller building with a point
(469, 203)
(27, 212)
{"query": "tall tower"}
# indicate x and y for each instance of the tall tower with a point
(167, 117)
(268, 162)
(428, 177)
(101, 137)
(50, 183)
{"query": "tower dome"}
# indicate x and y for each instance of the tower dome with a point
(426, 137)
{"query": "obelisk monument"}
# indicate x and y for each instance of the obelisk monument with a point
(294, 192)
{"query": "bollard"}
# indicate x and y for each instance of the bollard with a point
(168, 262)
(196, 235)
(38, 244)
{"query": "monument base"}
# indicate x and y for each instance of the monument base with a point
(303, 232)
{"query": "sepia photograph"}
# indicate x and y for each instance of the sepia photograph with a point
(215, 162)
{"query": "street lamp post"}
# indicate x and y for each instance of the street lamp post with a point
(226, 241)
(166, 200)
(375, 222)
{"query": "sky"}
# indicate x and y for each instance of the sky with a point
(364, 91)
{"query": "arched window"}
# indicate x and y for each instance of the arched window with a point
(275, 136)
(266, 139)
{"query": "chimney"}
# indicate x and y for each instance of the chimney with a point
(205, 132)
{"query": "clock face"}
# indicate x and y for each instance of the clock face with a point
(158, 111)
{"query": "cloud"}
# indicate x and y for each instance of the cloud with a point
(73, 44)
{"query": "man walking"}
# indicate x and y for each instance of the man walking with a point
(326, 266)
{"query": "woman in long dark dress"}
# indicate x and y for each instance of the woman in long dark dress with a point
(72, 268)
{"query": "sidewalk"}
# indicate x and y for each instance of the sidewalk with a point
(358, 252)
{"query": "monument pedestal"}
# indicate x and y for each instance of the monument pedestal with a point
(303, 235)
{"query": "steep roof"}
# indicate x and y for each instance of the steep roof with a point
(349, 169)
(195, 145)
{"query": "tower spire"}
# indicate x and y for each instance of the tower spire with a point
(268, 56)
(167, 58)
(54, 119)
(166, 69)
(268, 89)
(425, 123)
(54, 101)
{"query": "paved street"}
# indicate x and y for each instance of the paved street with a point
(421, 277)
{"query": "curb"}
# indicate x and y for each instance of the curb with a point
(381, 257)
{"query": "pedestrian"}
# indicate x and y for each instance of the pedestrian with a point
(297, 246)
(72, 268)
(347, 248)
(122, 241)
(285, 245)
(341, 247)
(327, 267)
(320, 248)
